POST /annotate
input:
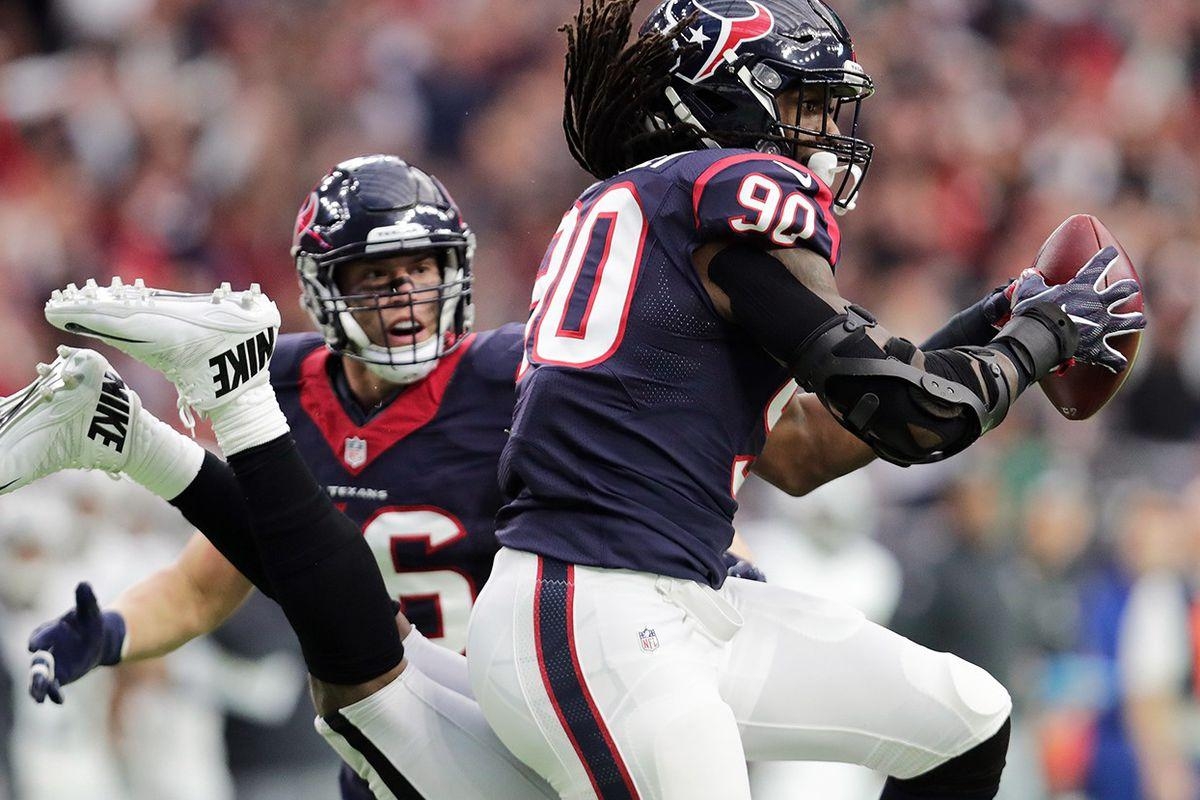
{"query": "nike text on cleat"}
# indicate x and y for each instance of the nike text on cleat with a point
(212, 346)
(77, 414)
(232, 368)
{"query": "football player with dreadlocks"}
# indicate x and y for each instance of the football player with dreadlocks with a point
(696, 277)
(398, 410)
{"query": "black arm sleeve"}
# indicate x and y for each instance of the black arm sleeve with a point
(907, 413)
(780, 312)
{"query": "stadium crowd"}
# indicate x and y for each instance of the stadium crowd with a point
(174, 139)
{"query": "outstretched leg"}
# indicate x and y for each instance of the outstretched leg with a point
(405, 734)
(215, 348)
(79, 414)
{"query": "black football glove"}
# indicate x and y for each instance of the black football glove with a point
(66, 649)
(996, 308)
(1089, 307)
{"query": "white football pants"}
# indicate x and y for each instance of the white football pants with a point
(620, 684)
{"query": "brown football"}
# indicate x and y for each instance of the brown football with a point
(1085, 388)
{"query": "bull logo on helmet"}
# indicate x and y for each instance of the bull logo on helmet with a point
(717, 35)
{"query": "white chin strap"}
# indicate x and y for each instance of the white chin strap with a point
(404, 374)
(399, 365)
(825, 166)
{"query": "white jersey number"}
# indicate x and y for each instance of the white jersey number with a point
(451, 590)
(581, 298)
(772, 210)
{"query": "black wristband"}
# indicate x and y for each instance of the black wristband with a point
(1037, 341)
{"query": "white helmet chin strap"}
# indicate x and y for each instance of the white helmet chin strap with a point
(399, 365)
(403, 374)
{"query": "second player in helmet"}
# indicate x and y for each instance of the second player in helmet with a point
(384, 260)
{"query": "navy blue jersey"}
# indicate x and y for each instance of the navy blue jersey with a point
(419, 475)
(640, 409)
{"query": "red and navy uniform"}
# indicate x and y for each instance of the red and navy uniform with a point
(640, 409)
(419, 473)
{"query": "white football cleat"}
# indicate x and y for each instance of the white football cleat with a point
(77, 414)
(213, 346)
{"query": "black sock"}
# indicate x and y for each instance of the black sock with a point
(322, 570)
(213, 502)
(973, 775)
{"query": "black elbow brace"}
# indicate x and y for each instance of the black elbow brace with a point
(907, 415)
(910, 415)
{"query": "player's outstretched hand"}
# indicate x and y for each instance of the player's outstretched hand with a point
(738, 567)
(1089, 307)
(66, 649)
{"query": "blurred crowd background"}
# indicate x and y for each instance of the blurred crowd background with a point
(174, 140)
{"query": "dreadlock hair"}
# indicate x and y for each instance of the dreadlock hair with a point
(613, 91)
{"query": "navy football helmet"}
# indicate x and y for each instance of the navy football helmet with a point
(378, 207)
(736, 57)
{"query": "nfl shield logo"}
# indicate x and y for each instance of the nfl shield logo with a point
(356, 452)
(649, 640)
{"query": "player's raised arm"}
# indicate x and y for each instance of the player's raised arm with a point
(771, 241)
(808, 447)
(908, 405)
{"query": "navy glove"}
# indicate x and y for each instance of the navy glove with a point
(738, 567)
(66, 649)
(1090, 308)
